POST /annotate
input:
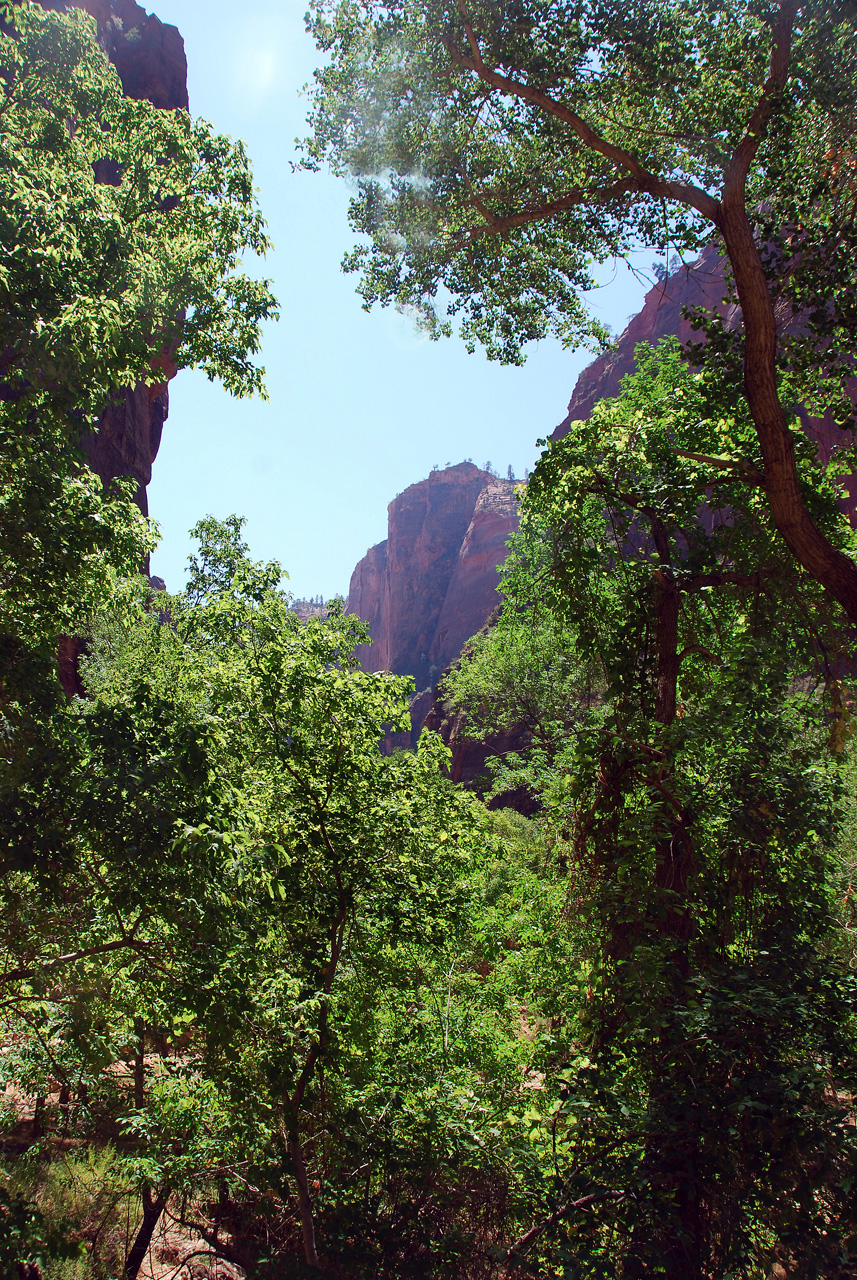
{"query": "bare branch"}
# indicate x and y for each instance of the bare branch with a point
(585, 1202)
(40, 967)
(740, 468)
(753, 581)
(702, 651)
(587, 195)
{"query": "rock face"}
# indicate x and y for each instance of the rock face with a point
(129, 435)
(148, 54)
(432, 583)
(467, 764)
(150, 59)
(472, 592)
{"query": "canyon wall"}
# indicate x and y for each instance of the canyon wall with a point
(699, 285)
(433, 582)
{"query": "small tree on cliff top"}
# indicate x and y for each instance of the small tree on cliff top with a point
(502, 146)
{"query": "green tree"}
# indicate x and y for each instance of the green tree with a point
(697, 799)
(220, 861)
(501, 148)
(98, 280)
(523, 671)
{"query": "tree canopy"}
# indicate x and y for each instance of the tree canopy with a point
(693, 780)
(245, 943)
(501, 149)
(121, 233)
(311, 1003)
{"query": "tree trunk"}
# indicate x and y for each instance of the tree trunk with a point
(140, 1064)
(677, 1244)
(64, 1101)
(683, 1252)
(304, 1202)
(37, 1116)
(824, 562)
(667, 642)
(671, 1156)
(153, 1207)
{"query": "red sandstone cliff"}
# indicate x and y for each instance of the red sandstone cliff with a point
(698, 285)
(148, 54)
(429, 587)
(472, 592)
(432, 583)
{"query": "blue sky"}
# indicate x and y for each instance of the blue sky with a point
(360, 405)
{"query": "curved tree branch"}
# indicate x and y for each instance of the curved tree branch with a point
(644, 180)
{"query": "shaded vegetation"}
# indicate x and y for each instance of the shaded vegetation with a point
(271, 998)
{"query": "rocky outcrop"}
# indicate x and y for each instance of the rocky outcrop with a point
(128, 436)
(467, 765)
(147, 53)
(472, 592)
(150, 59)
(306, 609)
(368, 598)
(432, 583)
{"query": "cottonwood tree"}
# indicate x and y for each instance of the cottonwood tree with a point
(500, 148)
(696, 800)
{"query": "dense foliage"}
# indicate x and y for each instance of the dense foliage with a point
(121, 230)
(244, 885)
(694, 772)
(269, 995)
